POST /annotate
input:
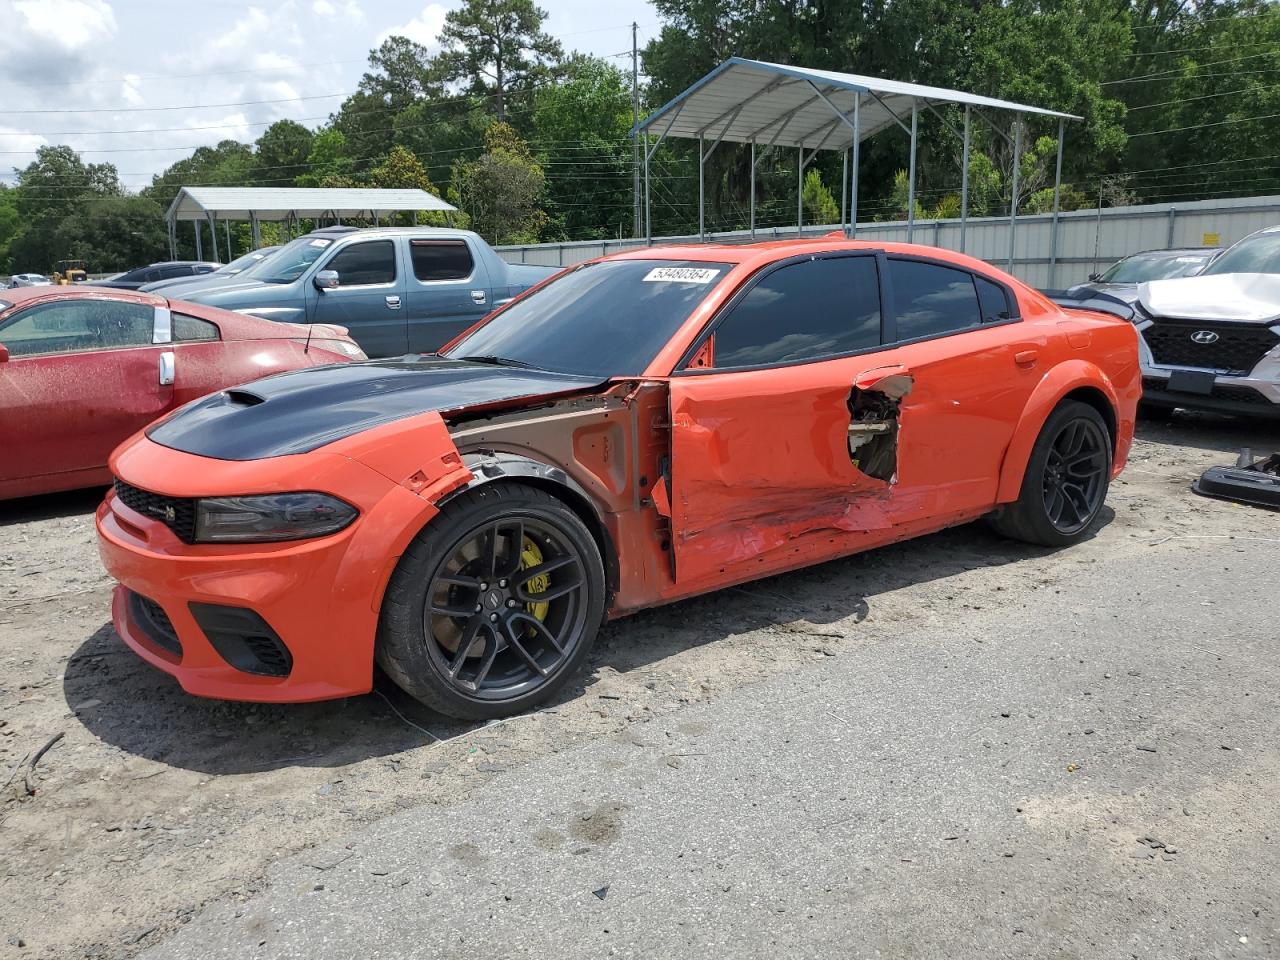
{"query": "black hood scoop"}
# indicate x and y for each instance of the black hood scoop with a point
(303, 410)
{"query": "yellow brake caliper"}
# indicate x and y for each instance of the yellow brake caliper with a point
(530, 557)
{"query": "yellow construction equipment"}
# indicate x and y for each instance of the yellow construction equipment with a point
(68, 272)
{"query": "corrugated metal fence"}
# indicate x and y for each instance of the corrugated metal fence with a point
(1086, 240)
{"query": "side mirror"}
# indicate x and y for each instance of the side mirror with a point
(4, 353)
(326, 280)
(1095, 277)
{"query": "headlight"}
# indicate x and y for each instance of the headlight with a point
(270, 517)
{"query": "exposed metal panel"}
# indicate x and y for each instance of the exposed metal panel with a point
(770, 94)
(277, 203)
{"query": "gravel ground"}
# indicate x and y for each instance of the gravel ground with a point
(153, 804)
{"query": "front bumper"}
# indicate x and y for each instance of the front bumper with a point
(1255, 394)
(281, 622)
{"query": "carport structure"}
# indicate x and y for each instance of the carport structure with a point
(775, 105)
(286, 205)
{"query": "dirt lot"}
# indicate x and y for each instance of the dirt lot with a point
(153, 803)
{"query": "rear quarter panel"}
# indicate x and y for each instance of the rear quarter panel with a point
(1088, 352)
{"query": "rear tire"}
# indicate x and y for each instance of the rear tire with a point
(465, 627)
(1066, 480)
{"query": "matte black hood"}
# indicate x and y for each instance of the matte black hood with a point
(300, 411)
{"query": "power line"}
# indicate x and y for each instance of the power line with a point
(191, 106)
(1158, 73)
(1202, 126)
(1207, 96)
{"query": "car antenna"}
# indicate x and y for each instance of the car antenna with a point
(306, 347)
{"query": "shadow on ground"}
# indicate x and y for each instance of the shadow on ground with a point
(145, 713)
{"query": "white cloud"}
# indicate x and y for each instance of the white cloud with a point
(68, 24)
(323, 8)
(129, 91)
(424, 28)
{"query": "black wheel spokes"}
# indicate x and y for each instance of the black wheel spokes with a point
(480, 614)
(1074, 476)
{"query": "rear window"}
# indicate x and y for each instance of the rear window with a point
(190, 329)
(602, 320)
(441, 259)
(930, 300)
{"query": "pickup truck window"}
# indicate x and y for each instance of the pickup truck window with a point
(441, 259)
(290, 262)
(361, 264)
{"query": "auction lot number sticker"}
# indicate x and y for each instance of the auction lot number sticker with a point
(680, 275)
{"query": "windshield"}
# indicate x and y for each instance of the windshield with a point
(289, 262)
(248, 260)
(1156, 266)
(606, 319)
(1259, 253)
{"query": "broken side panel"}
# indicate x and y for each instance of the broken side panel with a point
(767, 471)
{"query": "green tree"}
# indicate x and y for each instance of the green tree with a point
(280, 155)
(57, 179)
(820, 205)
(114, 233)
(329, 163)
(497, 47)
(584, 125)
(500, 190)
(401, 170)
(9, 221)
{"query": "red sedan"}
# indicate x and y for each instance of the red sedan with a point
(635, 430)
(81, 369)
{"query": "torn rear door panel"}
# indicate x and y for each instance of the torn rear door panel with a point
(764, 467)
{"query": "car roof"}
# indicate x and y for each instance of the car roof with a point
(24, 296)
(769, 251)
(390, 232)
(1171, 251)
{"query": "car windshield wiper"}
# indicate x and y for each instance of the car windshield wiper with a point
(497, 361)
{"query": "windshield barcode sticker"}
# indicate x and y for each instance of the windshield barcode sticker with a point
(680, 275)
(320, 242)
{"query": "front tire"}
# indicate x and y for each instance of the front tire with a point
(1066, 481)
(494, 605)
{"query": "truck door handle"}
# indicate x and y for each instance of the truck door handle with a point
(393, 303)
(1026, 358)
(166, 368)
(478, 296)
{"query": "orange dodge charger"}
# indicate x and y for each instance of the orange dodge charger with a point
(635, 430)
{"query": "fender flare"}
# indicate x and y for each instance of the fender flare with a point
(1053, 387)
(487, 466)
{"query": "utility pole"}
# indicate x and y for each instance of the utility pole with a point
(635, 137)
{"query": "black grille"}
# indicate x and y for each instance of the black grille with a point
(155, 623)
(176, 513)
(1221, 391)
(243, 639)
(1237, 349)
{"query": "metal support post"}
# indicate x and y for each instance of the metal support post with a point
(1013, 192)
(911, 176)
(964, 179)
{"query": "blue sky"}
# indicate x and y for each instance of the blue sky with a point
(91, 72)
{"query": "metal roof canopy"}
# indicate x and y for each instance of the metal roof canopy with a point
(776, 105)
(256, 204)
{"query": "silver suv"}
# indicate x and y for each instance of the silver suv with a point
(1212, 341)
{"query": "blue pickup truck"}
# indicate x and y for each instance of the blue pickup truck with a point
(397, 289)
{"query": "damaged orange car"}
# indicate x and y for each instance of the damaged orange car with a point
(635, 430)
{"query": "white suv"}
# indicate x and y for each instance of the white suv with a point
(1212, 341)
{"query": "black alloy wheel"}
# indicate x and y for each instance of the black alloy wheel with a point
(1075, 475)
(495, 604)
(506, 608)
(1065, 482)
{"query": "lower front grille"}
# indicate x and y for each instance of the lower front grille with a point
(151, 619)
(1221, 391)
(176, 513)
(1209, 346)
(243, 639)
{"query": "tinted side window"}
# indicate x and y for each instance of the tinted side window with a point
(78, 325)
(361, 263)
(188, 329)
(930, 299)
(818, 308)
(173, 271)
(993, 300)
(441, 259)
